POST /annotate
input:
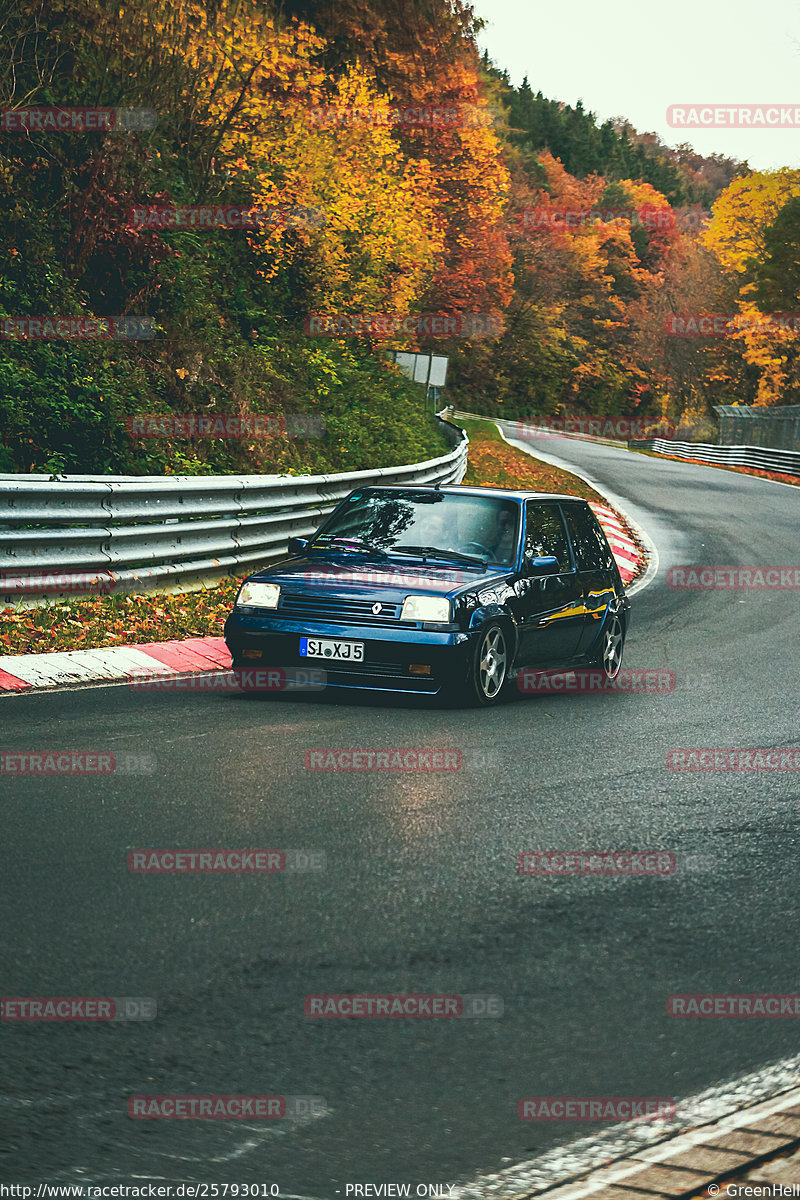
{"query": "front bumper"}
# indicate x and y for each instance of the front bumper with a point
(389, 652)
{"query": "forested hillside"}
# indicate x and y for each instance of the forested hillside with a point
(614, 149)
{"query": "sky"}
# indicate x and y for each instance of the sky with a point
(635, 60)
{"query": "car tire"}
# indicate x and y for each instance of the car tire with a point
(612, 644)
(488, 665)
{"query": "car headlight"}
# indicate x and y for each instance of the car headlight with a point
(426, 608)
(259, 595)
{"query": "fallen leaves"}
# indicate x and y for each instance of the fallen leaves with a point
(91, 622)
(493, 463)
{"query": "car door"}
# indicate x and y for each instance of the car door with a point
(595, 566)
(551, 608)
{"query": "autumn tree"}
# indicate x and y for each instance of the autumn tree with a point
(750, 238)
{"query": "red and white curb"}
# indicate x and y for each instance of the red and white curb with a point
(21, 672)
(623, 547)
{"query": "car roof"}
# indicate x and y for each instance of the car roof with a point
(458, 490)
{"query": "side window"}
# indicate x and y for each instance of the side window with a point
(544, 534)
(591, 548)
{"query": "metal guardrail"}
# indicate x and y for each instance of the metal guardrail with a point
(138, 532)
(760, 457)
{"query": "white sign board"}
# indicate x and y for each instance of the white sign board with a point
(430, 369)
(421, 368)
(405, 362)
(438, 374)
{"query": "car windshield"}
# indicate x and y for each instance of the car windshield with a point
(425, 524)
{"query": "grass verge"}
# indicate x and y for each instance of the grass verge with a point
(493, 463)
(93, 622)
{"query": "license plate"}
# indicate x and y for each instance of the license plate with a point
(324, 648)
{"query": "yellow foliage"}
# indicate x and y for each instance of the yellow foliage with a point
(398, 212)
(736, 236)
(742, 213)
(381, 236)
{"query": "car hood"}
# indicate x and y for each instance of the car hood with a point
(358, 575)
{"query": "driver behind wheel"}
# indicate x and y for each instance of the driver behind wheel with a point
(502, 546)
(487, 529)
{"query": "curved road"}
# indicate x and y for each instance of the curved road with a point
(420, 894)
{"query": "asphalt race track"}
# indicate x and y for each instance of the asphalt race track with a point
(420, 893)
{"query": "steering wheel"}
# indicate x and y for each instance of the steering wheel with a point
(481, 546)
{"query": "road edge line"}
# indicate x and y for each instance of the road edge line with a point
(651, 551)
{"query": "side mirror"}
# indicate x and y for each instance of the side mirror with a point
(547, 565)
(298, 545)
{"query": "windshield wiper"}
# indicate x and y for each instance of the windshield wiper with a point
(426, 552)
(358, 545)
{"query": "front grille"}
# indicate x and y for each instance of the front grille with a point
(359, 668)
(338, 610)
(388, 675)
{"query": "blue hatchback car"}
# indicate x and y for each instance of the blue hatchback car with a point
(437, 590)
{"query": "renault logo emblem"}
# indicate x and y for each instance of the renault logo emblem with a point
(376, 608)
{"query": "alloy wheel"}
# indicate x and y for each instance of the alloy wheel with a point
(613, 640)
(492, 662)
